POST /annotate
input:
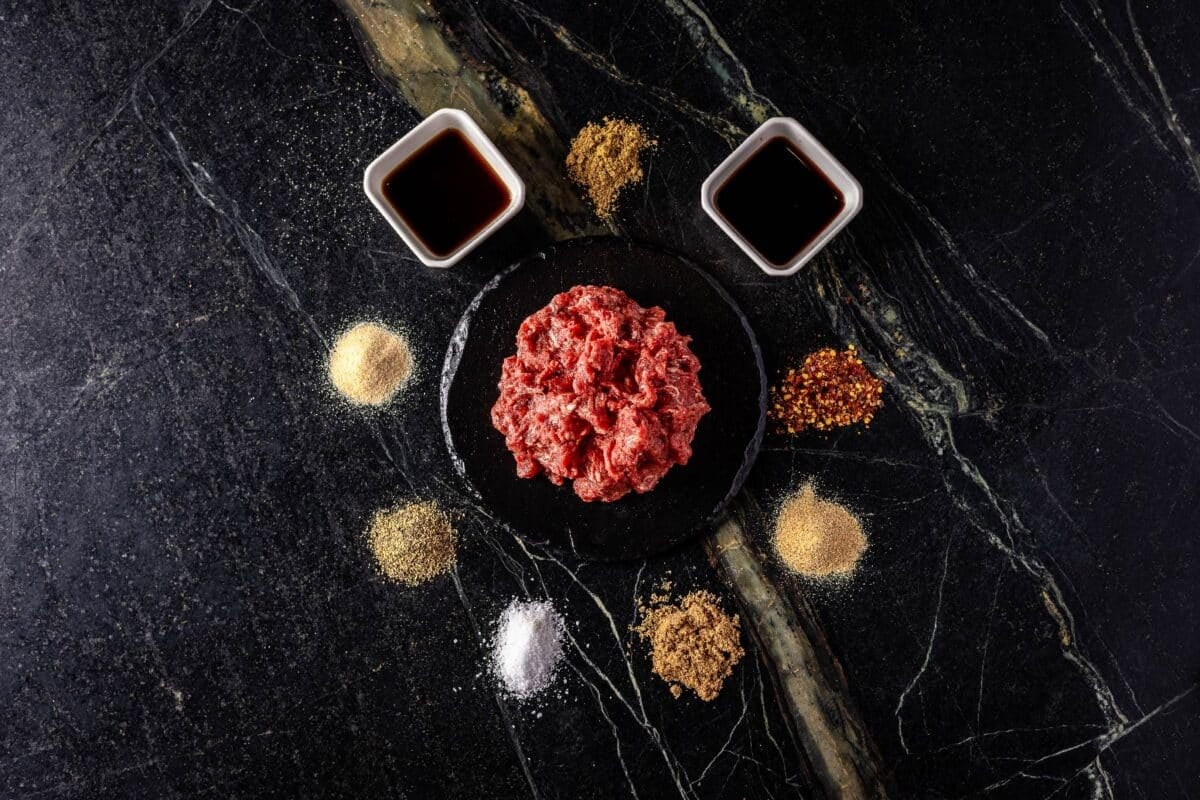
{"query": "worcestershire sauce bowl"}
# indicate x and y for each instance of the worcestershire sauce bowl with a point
(781, 196)
(444, 187)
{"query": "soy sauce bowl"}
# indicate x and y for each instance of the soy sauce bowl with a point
(433, 199)
(777, 199)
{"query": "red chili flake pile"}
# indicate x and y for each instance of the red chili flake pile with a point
(831, 389)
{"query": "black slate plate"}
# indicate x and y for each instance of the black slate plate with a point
(689, 498)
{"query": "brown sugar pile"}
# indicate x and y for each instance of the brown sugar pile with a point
(605, 158)
(831, 389)
(413, 542)
(369, 364)
(693, 644)
(816, 537)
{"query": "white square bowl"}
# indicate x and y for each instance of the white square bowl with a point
(441, 120)
(795, 133)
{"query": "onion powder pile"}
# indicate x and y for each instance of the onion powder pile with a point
(528, 647)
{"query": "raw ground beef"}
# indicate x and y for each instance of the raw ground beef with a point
(601, 392)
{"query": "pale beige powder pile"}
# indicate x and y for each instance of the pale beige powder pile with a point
(816, 537)
(369, 364)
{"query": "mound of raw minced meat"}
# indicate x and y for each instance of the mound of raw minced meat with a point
(601, 392)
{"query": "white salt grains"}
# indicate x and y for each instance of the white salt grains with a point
(527, 647)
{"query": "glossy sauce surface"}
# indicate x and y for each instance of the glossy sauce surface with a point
(779, 201)
(447, 192)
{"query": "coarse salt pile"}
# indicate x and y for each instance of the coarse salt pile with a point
(528, 647)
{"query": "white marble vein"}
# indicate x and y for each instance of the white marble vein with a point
(937, 615)
(192, 15)
(931, 392)
(207, 189)
(1099, 743)
(728, 131)
(636, 708)
(501, 702)
(1154, 107)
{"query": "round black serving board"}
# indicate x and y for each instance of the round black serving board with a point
(689, 498)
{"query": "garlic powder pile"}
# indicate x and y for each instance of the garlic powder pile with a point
(369, 364)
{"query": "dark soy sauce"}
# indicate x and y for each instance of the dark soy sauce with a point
(447, 192)
(779, 201)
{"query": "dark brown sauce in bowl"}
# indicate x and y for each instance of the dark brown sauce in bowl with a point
(446, 192)
(779, 201)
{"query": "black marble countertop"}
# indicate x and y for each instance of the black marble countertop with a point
(187, 604)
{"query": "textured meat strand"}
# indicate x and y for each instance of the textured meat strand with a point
(601, 392)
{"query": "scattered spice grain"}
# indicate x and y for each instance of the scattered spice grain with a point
(413, 542)
(831, 389)
(605, 158)
(693, 644)
(816, 537)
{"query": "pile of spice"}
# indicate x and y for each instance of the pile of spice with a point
(816, 537)
(605, 158)
(528, 647)
(413, 542)
(693, 644)
(369, 364)
(831, 389)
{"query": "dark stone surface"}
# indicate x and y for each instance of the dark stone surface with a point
(187, 606)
